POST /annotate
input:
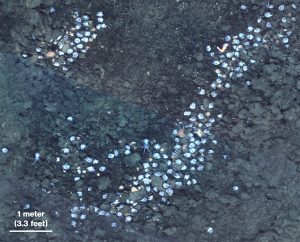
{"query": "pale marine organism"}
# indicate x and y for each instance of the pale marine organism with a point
(145, 145)
(51, 10)
(201, 92)
(66, 166)
(110, 156)
(66, 150)
(235, 188)
(4, 150)
(99, 14)
(192, 105)
(243, 7)
(90, 169)
(26, 206)
(268, 15)
(88, 159)
(102, 168)
(156, 156)
(281, 7)
(210, 230)
(37, 157)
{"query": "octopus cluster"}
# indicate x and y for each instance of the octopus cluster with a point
(159, 170)
(73, 43)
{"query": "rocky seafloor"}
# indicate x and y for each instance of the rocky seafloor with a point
(161, 121)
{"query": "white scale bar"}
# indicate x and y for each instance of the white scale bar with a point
(30, 231)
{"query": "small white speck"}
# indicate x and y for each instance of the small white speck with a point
(268, 15)
(156, 156)
(90, 169)
(73, 223)
(128, 219)
(69, 51)
(187, 113)
(235, 188)
(202, 92)
(66, 166)
(99, 14)
(200, 167)
(214, 94)
(210, 230)
(285, 40)
(193, 106)
(75, 54)
(85, 39)
(116, 152)
(66, 150)
(80, 46)
(147, 181)
(227, 85)
(227, 38)
(88, 160)
(200, 116)
(85, 17)
(51, 10)
(269, 5)
(26, 206)
(268, 25)
(243, 7)
(4, 150)
(102, 168)
(37, 156)
(216, 62)
(187, 155)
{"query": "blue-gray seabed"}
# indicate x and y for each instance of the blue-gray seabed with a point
(132, 180)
